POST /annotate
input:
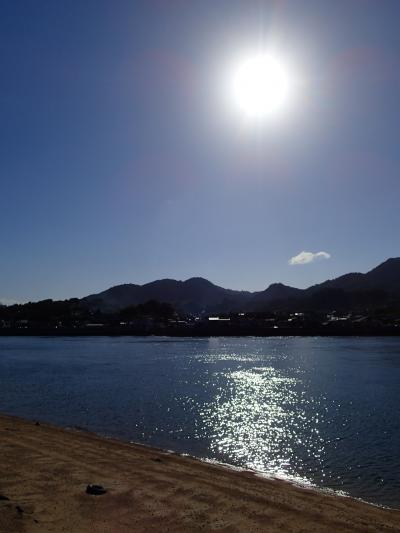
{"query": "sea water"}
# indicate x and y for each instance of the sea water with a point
(320, 411)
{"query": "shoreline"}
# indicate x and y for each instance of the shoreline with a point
(298, 483)
(45, 470)
(301, 484)
(201, 332)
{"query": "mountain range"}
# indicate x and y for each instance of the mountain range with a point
(379, 286)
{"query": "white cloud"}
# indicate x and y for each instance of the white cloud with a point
(308, 257)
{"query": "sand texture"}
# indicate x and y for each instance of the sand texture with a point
(44, 472)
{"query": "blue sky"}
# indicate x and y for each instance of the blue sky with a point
(121, 159)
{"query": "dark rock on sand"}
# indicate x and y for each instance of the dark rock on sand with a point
(96, 490)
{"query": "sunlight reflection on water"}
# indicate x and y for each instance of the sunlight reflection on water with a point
(264, 420)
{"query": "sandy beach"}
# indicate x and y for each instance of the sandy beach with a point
(44, 472)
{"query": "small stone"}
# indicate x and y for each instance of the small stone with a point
(96, 490)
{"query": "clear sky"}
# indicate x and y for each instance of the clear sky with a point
(123, 160)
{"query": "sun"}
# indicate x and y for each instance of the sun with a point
(260, 86)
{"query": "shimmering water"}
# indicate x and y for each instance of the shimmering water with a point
(320, 410)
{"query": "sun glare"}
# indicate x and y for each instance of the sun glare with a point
(260, 86)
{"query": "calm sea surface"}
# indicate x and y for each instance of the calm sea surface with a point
(321, 410)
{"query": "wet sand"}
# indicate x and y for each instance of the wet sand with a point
(44, 472)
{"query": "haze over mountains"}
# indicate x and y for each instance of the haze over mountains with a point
(380, 286)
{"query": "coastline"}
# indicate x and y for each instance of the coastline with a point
(45, 470)
(213, 331)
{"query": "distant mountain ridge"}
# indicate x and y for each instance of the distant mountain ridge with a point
(192, 295)
(385, 276)
(198, 295)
